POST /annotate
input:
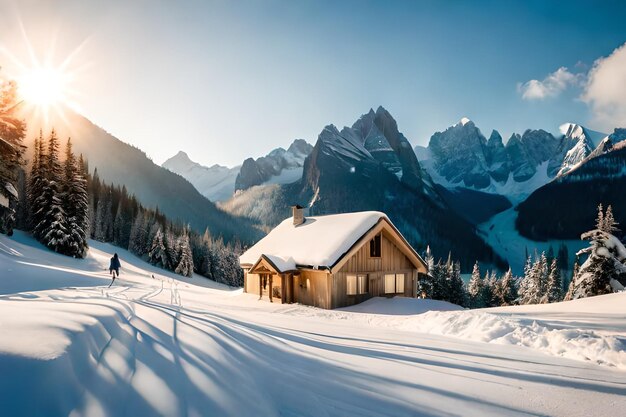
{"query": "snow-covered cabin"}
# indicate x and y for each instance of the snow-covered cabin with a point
(332, 261)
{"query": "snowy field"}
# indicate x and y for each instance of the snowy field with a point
(159, 344)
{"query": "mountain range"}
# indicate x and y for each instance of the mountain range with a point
(441, 195)
(461, 156)
(371, 166)
(219, 183)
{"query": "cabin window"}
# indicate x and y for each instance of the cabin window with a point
(356, 284)
(400, 283)
(375, 247)
(394, 283)
(351, 285)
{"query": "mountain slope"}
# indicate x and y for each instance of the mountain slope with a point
(216, 182)
(122, 164)
(566, 207)
(219, 183)
(280, 166)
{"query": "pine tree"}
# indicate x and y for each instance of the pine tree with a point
(75, 205)
(52, 229)
(543, 273)
(563, 257)
(185, 263)
(36, 185)
(507, 289)
(525, 283)
(138, 236)
(609, 224)
(457, 287)
(554, 287)
(426, 281)
(172, 248)
(12, 132)
(604, 271)
(490, 284)
(475, 289)
(600, 218)
(23, 208)
(104, 216)
(438, 274)
(158, 253)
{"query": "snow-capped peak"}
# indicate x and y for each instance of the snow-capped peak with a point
(572, 130)
(464, 121)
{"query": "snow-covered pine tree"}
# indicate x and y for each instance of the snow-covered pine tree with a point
(609, 224)
(137, 235)
(507, 289)
(525, 283)
(438, 274)
(542, 279)
(12, 132)
(475, 288)
(171, 246)
(534, 283)
(52, 229)
(600, 218)
(104, 216)
(457, 287)
(604, 271)
(185, 263)
(122, 223)
(426, 281)
(563, 257)
(158, 253)
(490, 284)
(75, 205)
(554, 286)
(36, 184)
(22, 208)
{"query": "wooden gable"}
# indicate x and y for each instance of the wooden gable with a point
(392, 239)
(264, 266)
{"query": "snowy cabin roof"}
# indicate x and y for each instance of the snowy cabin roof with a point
(317, 243)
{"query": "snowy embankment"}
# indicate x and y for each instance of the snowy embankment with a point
(554, 329)
(159, 344)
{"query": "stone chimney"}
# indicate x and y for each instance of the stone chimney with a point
(298, 215)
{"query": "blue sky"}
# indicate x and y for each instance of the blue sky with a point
(224, 80)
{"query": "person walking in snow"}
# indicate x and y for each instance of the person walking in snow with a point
(114, 267)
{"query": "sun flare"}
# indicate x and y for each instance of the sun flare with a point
(43, 86)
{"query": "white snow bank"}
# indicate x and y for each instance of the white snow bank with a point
(400, 306)
(554, 329)
(578, 344)
(319, 241)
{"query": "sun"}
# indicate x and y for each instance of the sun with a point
(43, 86)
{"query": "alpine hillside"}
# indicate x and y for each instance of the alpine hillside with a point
(125, 165)
(566, 207)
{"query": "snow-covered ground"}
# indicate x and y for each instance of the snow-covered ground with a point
(167, 345)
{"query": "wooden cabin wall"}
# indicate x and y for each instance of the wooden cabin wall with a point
(251, 283)
(392, 260)
(314, 293)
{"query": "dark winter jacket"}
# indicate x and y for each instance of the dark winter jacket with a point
(115, 263)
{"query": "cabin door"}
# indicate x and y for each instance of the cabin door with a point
(271, 287)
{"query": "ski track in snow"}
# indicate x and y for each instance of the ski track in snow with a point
(164, 346)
